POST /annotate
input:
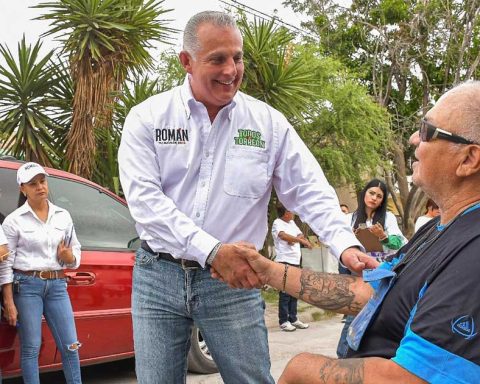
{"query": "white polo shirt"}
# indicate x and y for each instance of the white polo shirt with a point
(190, 183)
(33, 243)
(286, 252)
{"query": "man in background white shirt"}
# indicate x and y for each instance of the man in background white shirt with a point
(287, 238)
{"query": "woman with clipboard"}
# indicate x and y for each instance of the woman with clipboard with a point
(375, 227)
(377, 230)
(42, 244)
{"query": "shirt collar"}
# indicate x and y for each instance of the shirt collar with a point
(52, 209)
(188, 100)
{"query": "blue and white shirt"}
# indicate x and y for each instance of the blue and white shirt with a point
(190, 183)
(428, 322)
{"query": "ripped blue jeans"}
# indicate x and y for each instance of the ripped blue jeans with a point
(37, 297)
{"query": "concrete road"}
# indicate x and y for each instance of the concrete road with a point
(321, 337)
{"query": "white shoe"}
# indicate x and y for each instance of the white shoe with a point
(287, 327)
(299, 324)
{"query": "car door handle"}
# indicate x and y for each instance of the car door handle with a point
(80, 278)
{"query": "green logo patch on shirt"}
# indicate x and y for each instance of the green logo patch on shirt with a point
(249, 138)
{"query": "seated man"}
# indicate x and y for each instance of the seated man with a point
(418, 313)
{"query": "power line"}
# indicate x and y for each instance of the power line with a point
(255, 12)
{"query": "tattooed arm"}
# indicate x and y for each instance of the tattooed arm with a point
(308, 368)
(339, 293)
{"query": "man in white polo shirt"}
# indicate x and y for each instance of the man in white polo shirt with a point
(287, 238)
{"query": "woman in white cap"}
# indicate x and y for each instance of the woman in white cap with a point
(42, 244)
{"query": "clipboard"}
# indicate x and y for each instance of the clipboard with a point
(369, 241)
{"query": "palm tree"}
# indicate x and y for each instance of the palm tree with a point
(275, 70)
(104, 40)
(26, 104)
(135, 91)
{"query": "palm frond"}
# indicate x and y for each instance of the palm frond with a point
(26, 82)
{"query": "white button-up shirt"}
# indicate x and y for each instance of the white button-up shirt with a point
(190, 183)
(33, 243)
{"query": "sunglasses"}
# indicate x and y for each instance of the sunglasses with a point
(429, 132)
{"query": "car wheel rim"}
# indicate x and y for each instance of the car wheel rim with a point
(203, 347)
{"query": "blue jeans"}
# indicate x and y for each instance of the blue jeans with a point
(50, 298)
(342, 347)
(167, 301)
(287, 308)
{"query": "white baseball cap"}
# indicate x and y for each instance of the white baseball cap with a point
(28, 171)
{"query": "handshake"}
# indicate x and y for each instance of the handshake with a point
(241, 266)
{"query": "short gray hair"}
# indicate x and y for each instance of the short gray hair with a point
(190, 38)
(470, 120)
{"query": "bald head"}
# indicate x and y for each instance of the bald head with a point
(462, 105)
(447, 171)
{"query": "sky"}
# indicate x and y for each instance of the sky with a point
(16, 18)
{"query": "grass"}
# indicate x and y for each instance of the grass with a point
(270, 295)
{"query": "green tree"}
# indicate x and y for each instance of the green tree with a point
(325, 104)
(313, 93)
(104, 40)
(407, 53)
(27, 84)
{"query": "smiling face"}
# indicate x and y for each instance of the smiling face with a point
(373, 198)
(36, 189)
(216, 70)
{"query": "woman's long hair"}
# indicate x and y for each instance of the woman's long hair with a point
(360, 214)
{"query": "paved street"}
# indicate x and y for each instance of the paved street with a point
(321, 337)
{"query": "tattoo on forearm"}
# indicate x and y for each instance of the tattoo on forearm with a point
(342, 371)
(329, 291)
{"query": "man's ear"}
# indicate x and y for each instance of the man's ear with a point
(186, 61)
(471, 161)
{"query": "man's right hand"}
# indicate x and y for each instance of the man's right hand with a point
(356, 261)
(231, 264)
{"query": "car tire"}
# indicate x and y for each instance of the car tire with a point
(199, 358)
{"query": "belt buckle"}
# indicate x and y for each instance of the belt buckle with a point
(40, 275)
(184, 266)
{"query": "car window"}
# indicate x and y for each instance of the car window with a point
(100, 220)
(9, 192)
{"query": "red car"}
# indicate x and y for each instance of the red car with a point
(100, 289)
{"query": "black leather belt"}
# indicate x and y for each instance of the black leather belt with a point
(167, 256)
